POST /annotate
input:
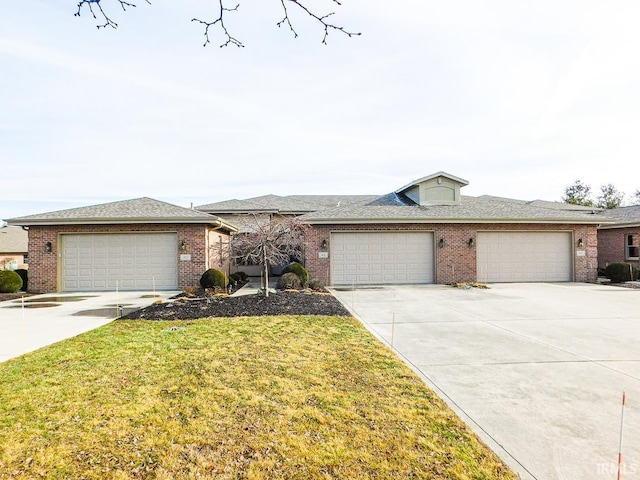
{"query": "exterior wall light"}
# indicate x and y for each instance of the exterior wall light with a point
(471, 242)
(48, 247)
(324, 244)
(442, 243)
(580, 243)
(183, 245)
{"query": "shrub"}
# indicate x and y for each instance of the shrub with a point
(243, 275)
(621, 272)
(213, 278)
(234, 278)
(316, 285)
(299, 270)
(25, 278)
(289, 281)
(10, 281)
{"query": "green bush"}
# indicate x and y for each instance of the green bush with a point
(10, 281)
(234, 278)
(243, 275)
(213, 278)
(299, 270)
(316, 285)
(25, 278)
(289, 281)
(621, 272)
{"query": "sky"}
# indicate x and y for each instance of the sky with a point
(519, 98)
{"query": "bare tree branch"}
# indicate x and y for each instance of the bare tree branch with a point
(220, 21)
(108, 22)
(320, 18)
(96, 10)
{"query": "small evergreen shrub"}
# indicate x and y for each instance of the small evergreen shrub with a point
(289, 281)
(25, 278)
(234, 278)
(10, 281)
(213, 278)
(299, 270)
(621, 272)
(316, 285)
(243, 275)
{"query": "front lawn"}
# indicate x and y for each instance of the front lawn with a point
(288, 397)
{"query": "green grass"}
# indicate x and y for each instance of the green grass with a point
(241, 398)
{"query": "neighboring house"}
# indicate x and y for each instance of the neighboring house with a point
(427, 232)
(138, 244)
(620, 242)
(13, 248)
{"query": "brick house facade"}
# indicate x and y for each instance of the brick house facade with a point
(45, 275)
(180, 243)
(456, 261)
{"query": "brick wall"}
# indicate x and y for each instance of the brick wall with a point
(612, 246)
(456, 262)
(44, 276)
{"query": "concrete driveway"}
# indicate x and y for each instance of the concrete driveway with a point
(537, 370)
(39, 320)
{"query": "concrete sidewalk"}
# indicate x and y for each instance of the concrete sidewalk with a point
(536, 370)
(39, 320)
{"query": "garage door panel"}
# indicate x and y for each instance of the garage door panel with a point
(383, 258)
(128, 261)
(524, 256)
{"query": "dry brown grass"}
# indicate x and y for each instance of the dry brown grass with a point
(243, 398)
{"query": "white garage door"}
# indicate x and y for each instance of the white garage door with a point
(379, 258)
(128, 261)
(524, 257)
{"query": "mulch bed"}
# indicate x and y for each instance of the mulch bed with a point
(13, 296)
(280, 303)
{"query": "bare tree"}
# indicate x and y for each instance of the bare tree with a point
(223, 9)
(267, 241)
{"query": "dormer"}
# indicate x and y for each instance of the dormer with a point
(437, 189)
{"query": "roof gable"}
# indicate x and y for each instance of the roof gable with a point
(440, 188)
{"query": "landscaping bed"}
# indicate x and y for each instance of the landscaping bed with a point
(280, 303)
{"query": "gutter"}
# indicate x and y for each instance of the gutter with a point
(219, 223)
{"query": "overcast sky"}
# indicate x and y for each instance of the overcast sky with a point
(519, 98)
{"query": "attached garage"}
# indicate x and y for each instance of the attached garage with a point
(382, 258)
(532, 256)
(127, 261)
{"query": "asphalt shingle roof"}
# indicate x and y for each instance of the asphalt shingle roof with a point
(391, 208)
(285, 204)
(138, 210)
(624, 215)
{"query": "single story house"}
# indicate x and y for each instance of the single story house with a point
(13, 248)
(620, 242)
(139, 244)
(423, 232)
(427, 232)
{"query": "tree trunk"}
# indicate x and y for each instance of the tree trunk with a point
(266, 271)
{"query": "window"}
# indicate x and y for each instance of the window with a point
(631, 247)
(25, 258)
